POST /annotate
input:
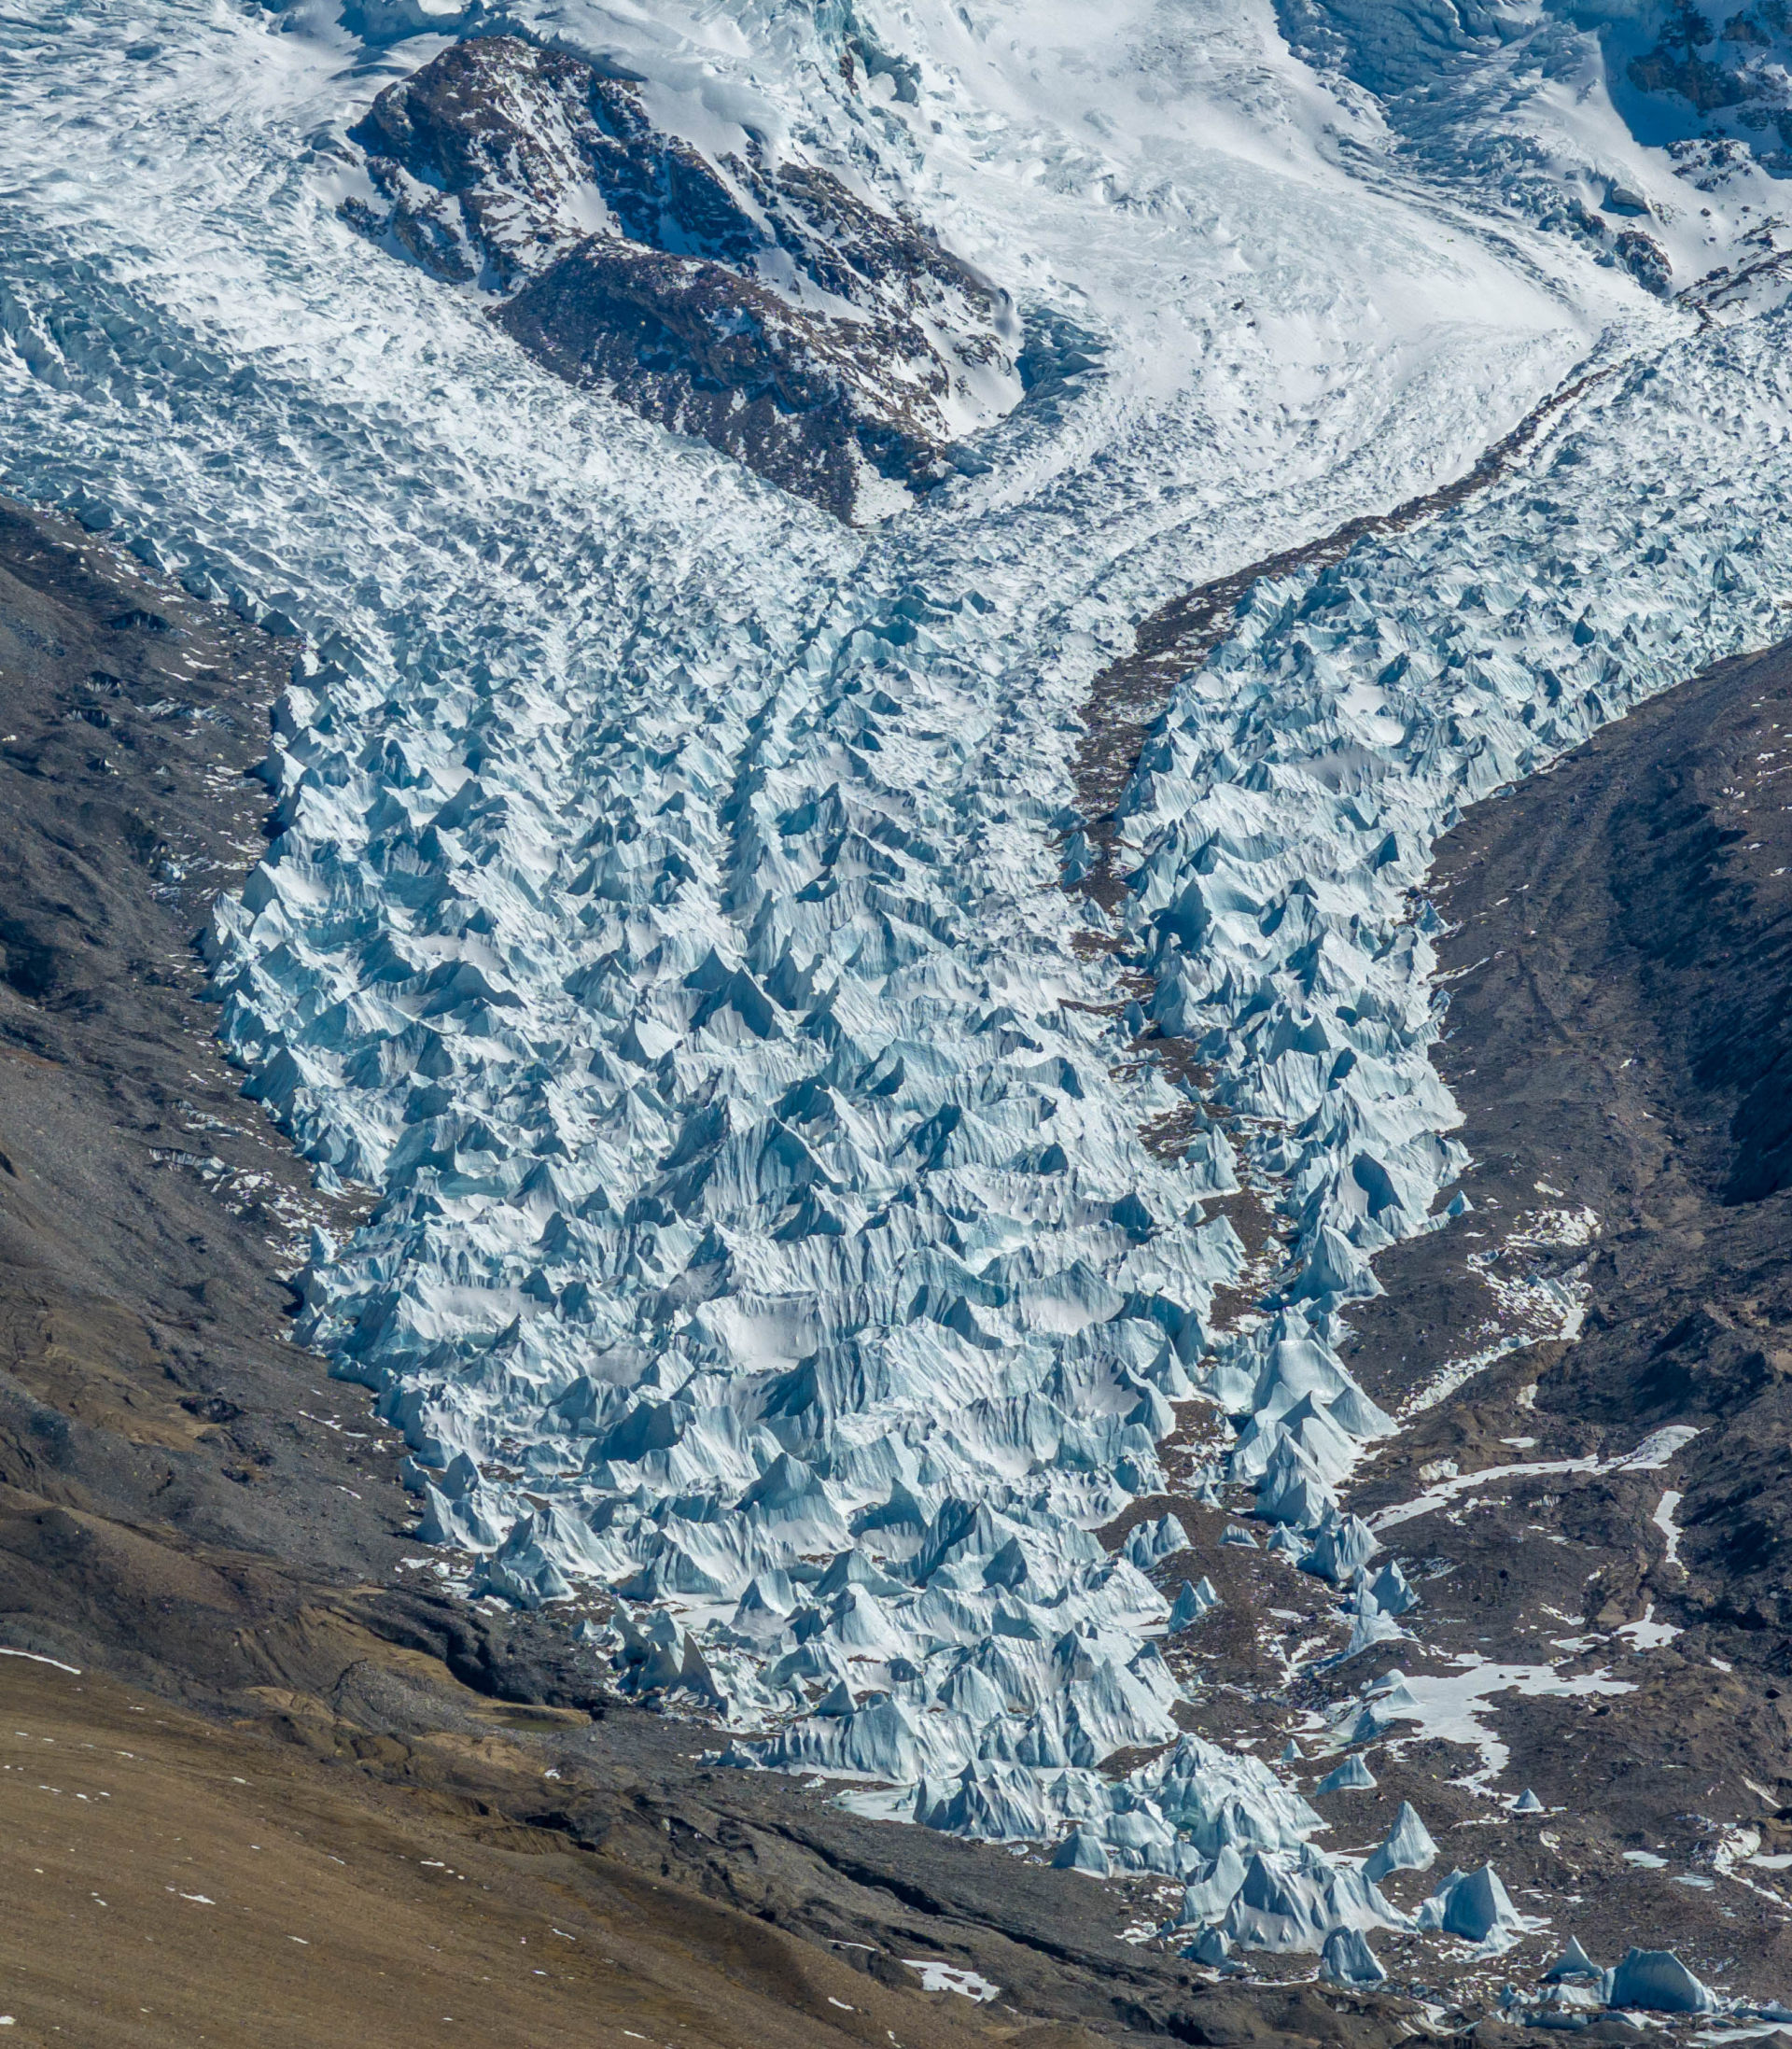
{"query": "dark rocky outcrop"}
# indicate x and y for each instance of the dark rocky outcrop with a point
(1678, 63)
(762, 305)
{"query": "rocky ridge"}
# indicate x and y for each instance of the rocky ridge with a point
(753, 301)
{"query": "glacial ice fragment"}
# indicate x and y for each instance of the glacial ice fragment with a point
(1210, 1947)
(1192, 1602)
(1408, 1846)
(1151, 1542)
(1473, 1905)
(1082, 1850)
(1296, 1905)
(1341, 1546)
(990, 1803)
(462, 1512)
(661, 1656)
(1393, 1595)
(1572, 1963)
(1657, 1982)
(1293, 1490)
(1218, 1797)
(1352, 1776)
(1348, 1960)
(1388, 1701)
(1211, 1889)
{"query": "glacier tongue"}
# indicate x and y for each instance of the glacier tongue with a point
(664, 916)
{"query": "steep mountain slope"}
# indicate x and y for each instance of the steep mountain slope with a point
(1616, 1006)
(1616, 973)
(1649, 135)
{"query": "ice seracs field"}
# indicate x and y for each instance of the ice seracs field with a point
(705, 461)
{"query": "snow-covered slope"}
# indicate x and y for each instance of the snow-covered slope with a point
(1647, 132)
(666, 914)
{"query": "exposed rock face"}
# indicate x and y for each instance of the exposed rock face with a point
(1617, 956)
(836, 349)
(1710, 56)
(1678, 63)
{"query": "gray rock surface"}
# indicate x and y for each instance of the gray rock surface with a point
(1616, 973)
(749, 297)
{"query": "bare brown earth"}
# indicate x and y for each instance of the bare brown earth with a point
(1620, 1042)
(212, 1533)
(1619, 1039)
(170, 1882)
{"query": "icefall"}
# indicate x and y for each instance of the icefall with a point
(784, 1236)
(660, 913)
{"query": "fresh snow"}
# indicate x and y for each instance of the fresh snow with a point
(1654, 1452)
(944, 1977)
(1454, 1706)
(38, 1657)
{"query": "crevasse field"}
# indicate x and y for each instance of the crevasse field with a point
(668, 918)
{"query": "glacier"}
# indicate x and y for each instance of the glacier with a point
(666, 917)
